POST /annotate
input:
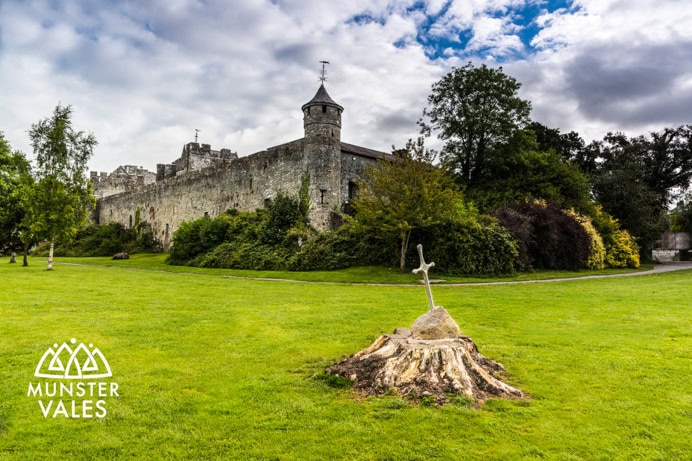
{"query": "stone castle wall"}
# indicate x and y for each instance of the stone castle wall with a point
(123, 179)
(206, 182)
(245, 183)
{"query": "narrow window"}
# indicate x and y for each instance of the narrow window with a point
(322, 192)
(166, 234)
(267, 202)
(352, 190)
(130, 221)
(324, 109)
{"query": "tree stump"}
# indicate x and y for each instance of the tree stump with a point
(440, 363)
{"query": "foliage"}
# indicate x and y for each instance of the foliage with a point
(568, 145)
(459, 246)
(14, 168)
(681, 219)
(61, 199)
(474, 110)
(636, 179)
(106, 240)
(470, 247)
(597, 257)
(396, 197)
(194, 238)
(622, 250)
(523, 173)
(619, 247)
(245, 255)
(547, 237)
(350, 245)
(283, 213)
(262, 240)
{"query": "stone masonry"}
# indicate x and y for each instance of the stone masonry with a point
(203, 182)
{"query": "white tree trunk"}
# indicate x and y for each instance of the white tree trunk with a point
(418, 368)
(50, 256)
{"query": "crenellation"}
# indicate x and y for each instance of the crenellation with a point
(122, 179)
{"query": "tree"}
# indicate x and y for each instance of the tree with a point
(681, 219)
(407, 193)
(14, 167)
(637, 179)
(568, 146)
(522, 171)
(62, 197)
(474, 110)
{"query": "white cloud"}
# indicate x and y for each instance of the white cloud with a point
(143, 75)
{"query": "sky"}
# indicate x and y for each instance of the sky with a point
(142, 76)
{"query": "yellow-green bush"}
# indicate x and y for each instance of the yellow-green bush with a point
(596, 259)
(621, 250)
(620, 246)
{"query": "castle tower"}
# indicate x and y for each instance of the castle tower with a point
(322, 144)
(322, 116)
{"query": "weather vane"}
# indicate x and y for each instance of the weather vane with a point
(196, 133)
(323, 73)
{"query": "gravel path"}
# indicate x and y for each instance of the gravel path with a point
(658, 269)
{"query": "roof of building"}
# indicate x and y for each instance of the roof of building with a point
(322, 97)
(364, 151)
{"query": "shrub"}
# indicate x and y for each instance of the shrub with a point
(106, 240)
(349, 245)
(622, 250)
(620, 247)
(187, 242)
(194, 238)
(243, 255)
(596, 259)
(547, 237)
(283, 213)
(470, 247)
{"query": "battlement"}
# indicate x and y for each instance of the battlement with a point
(194, 157)
(122, 179)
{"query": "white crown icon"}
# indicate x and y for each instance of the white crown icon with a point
(78, 363)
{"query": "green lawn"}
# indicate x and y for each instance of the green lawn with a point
(211, 367)
(156, 261)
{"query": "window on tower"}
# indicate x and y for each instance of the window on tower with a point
(324, 109)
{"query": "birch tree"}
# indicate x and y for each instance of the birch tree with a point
(61, 198)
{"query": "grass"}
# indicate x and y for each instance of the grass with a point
(222, 368)
(375, 274)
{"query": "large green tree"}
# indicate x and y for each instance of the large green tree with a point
(13, 168)
(637, 179)
(406, 193)
(61, 198)
(522, 170)
(475, 110)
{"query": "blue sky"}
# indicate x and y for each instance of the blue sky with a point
(142, 76)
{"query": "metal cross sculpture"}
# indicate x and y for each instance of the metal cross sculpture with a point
(424, 268)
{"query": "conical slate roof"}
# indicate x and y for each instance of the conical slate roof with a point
(321, 97)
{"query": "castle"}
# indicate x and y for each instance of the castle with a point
(205, 182)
